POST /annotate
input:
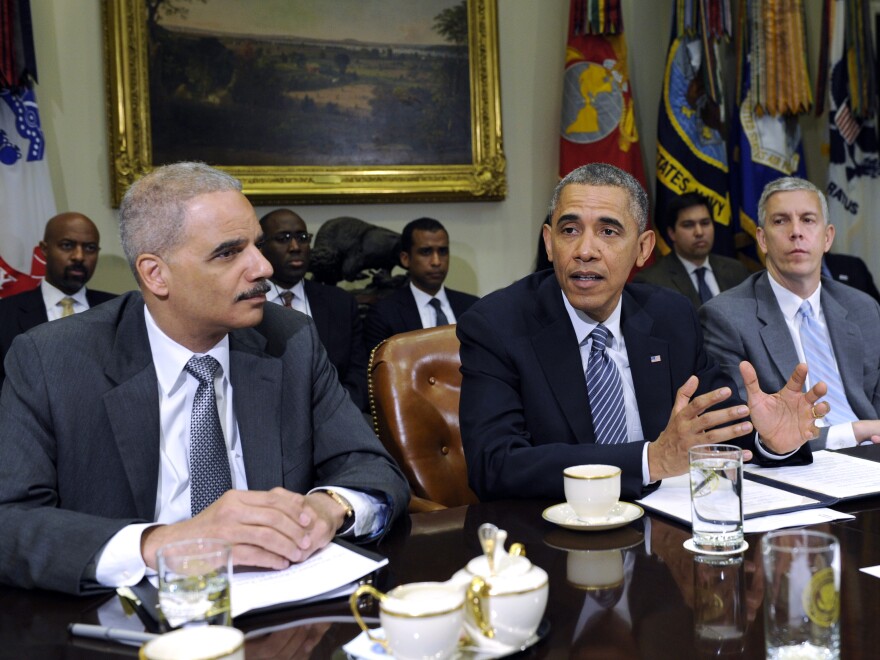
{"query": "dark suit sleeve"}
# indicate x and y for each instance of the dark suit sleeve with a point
(510, 429)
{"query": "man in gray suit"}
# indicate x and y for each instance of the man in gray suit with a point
(791, 314)
(190, 409)
(691, 268)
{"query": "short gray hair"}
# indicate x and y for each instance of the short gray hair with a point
(152, 215)
(787, 184)
(603, 174)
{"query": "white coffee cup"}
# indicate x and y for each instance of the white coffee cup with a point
(201, 643)
(420, 620)
(591, 490)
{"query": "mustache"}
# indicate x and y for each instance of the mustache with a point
(260, 289)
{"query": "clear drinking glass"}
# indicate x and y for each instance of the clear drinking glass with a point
(802, 605)
(716, 497)
(194, 581)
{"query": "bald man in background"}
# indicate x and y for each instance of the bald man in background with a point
(70, 244)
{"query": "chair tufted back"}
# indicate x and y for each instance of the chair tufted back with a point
(415, 385)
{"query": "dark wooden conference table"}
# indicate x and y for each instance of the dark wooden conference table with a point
(654, 614)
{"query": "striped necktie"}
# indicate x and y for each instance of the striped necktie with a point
(286, 298)
(605, 391)
(820, 362)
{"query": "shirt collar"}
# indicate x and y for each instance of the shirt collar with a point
(790, 303)
(169, 357)
(423, 299)
(297, 289)
(584, 325)
(690, 266)
(53, 295)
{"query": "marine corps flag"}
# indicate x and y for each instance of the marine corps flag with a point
(691, 144)
(598, 123)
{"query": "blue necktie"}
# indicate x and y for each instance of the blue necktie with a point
(820, 362)
(441, 317)
(209, 474)
(703, 288)
(605, 391)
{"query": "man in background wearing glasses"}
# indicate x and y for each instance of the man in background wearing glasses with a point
(287, 247)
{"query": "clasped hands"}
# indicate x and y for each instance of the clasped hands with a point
(267, 529)
(784, 420)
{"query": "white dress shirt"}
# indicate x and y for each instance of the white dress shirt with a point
(427, 313)
(52, 298)
(839, 435)
(300, 301)
(709, 275)
(616, 350)
(120, 562)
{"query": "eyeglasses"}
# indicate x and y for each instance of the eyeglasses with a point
(284, 237)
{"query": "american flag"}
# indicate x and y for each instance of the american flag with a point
(848, 125)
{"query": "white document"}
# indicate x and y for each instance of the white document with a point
(673, 498)
(871, 570)
(831, 473)
(329, 573)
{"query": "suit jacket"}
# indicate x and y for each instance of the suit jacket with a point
(26, 310)
(79, 433)
(853, 271)
(398, 313)
(336, 315)
(524, 411)
(669, 272)
(746, 323)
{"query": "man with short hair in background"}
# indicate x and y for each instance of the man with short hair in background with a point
(287, 247)
(691, 268)
(424, 302)
(70, 244)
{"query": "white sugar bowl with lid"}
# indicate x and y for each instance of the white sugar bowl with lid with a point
(505, 598)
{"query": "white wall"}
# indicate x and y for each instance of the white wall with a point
(493, 243)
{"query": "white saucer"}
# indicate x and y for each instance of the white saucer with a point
(690, 547)
(623, 513)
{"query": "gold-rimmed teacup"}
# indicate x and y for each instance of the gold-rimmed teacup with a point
(591, 490)
(420, 620)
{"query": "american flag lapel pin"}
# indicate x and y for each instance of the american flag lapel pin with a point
(655, 359)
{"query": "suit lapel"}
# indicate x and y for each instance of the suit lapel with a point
(320, 311)
(682, 281)
(32, 310)
(133, 406)
(556, 348)
(774, 333)
(649, 366)
(846, 338)
(256, 383)
(409, 311)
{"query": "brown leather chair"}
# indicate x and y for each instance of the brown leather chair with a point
(415, 385)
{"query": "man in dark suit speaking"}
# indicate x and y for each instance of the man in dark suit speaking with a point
(189, 409)
(574, 366)
(70, 245)
(287, 246)
(425, 302)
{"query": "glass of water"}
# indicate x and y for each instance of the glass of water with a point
(194, 581)
(716, 497)
(802, 604)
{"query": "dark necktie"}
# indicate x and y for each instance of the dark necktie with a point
(703, 288)
(605, 391)
(821, 364)
(209, 474)
(441, 317)
(286, 298)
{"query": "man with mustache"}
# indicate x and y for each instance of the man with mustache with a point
(691, 268)
(575, 366)
(287, 247)
(792, 313)
(189, 409)
(70, 245)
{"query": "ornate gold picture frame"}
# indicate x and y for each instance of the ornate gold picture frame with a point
(127, 44)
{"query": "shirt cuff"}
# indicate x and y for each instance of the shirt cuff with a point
(120, 563)
(646, 473)
(841, 436)
(370, 512)
(767, 453)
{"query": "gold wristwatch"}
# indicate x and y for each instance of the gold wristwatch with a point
(341, 501)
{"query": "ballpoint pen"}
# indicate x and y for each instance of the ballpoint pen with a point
(112, 634)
